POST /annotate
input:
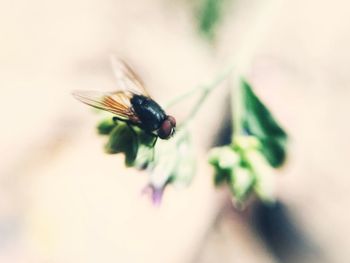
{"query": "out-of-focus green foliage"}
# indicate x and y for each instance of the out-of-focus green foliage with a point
(123, 140)
(106, 126)
(258, 121)
(136, 145)
(246, 164)
(209, 15)
(172, 161)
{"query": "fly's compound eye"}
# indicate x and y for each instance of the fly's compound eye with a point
(172, 120)
(166, 130)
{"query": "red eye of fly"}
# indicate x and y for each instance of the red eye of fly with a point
(172, 120)
(167, 128)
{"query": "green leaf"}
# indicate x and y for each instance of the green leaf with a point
(274, 151)
(123, 140)
(106, 126)
(258, 121)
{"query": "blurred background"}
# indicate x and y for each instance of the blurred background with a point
(62, 199)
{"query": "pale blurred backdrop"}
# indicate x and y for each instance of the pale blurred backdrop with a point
(63, 200)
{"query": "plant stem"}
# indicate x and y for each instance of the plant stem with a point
(251, 41)
(206, 90)
(237, 106)
(183, 96)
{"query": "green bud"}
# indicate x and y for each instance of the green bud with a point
(228, 158)
(224, 157)
(246, 142)
(264, 175)
(241, 180)
(214, 155)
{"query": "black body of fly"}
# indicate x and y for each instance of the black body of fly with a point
(150, 113)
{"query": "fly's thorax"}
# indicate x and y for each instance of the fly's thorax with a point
(137, 100)
(148, 111)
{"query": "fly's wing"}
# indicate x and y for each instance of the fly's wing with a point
(117, 103)
(127, 79)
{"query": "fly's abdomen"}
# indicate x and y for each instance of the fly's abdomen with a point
(148, 111)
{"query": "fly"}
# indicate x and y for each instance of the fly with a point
(131, 103)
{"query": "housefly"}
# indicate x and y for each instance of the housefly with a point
(131, 103)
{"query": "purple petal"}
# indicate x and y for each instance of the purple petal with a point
(155, 193)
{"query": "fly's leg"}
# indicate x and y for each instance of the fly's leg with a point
(138, 139)
(130, 125)
(155, 141)
(115, 119)
(132, 130)
(153, 149)
(153, 136)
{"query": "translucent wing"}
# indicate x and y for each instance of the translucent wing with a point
(117, 103)
(127, 79)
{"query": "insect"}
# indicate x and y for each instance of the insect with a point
(131, 103)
